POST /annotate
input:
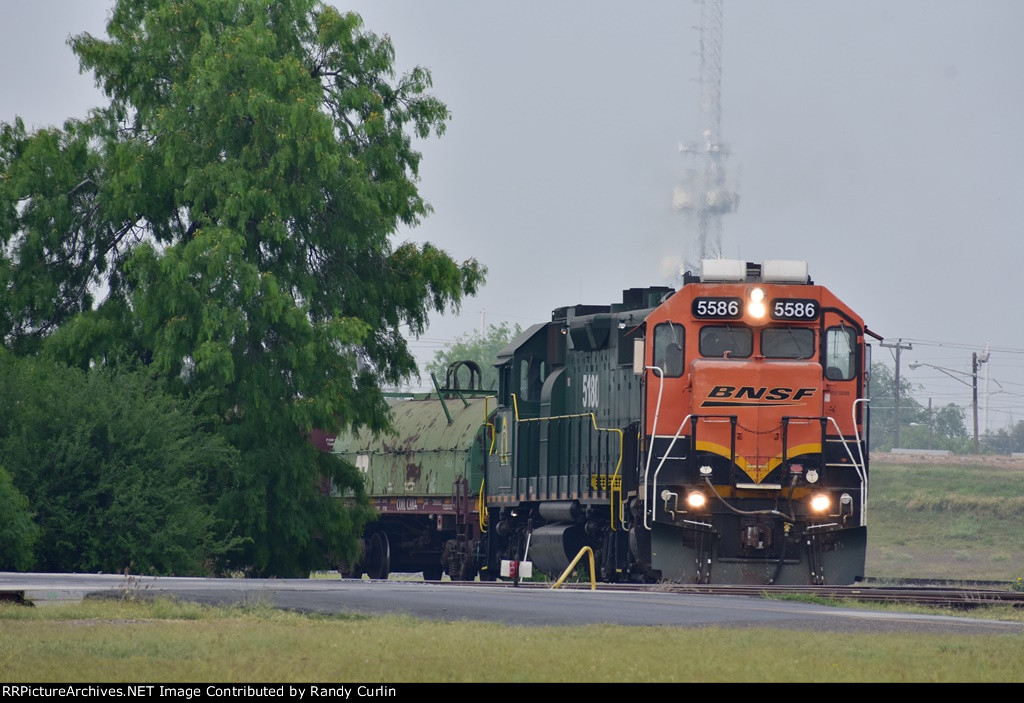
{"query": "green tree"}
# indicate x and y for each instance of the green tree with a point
(229, 218)
(944, 428)
(481, 349)
(119, 474)
(950, 421)
(18, 532)
(883, 406)
(1006, 440)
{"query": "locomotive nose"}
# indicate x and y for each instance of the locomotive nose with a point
(762, 411)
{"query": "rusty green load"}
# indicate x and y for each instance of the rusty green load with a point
(423, 479)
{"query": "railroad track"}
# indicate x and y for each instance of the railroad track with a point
(939, 596)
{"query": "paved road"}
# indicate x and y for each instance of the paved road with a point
(506, 604)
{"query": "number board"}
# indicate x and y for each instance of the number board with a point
(794, 309)
(717, 308)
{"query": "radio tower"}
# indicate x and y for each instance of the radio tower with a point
(703, 192)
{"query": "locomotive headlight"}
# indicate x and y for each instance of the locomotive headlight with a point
(696, 500)
(756, 306)
(820, 502)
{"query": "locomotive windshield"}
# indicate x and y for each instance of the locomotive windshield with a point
(787, 343)
(726, 341)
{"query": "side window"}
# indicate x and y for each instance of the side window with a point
(504, 384)
(668, 349)
(726, 342)
(787, 343)
(532, 372)
(840, 354)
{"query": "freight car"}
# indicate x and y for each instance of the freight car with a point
(714, 433)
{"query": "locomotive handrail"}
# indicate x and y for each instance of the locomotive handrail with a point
(481, 510)
(856, 430)
(660, 464)
(860, 473)
(504, 453)
(860, 450)
(654, 431)
(593, 421)
(657, 407)
(487, 414)
(787, 420)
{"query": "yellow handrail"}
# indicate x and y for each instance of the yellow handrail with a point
(490, 450)
(480, 509)
(568, 569)
(593, 420)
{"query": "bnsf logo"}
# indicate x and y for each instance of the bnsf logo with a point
(750, 395)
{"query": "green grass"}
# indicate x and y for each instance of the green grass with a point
(945, 522)
(110, 641)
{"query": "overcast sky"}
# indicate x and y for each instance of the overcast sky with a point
(880, 141)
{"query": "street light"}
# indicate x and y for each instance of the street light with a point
(976, 361)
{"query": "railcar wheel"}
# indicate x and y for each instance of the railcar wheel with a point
(468, 570)
(378, 556)
(352, 569)
(349, 571)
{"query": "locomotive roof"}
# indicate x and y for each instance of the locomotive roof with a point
(522, 339)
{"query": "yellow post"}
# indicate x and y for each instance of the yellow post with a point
(568, 570)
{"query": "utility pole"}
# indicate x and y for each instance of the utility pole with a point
(974, 379)
(899, 346)
(931, 426)
(984, 423)
(975, 361)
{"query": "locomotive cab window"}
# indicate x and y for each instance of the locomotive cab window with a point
(787, 343)
(668, 349)
(726, 342)
(840, 353)
(532, 373)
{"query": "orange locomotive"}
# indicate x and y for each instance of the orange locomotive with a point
(755, 462)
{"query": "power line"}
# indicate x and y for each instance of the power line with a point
(964, 345)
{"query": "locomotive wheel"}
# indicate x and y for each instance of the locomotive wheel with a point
(378, 556)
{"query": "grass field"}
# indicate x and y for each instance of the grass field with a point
(946, 521)
(103, 641)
